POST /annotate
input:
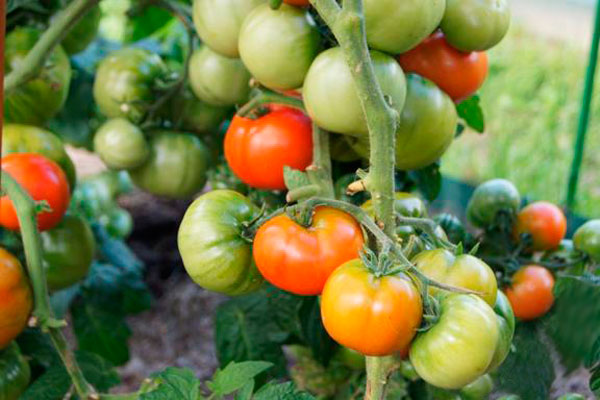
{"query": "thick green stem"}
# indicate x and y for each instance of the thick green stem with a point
(263, 97)
(37, 56)
(319, 172)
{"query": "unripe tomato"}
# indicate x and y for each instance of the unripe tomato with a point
(475, 25)
(120, 223)
(506, 330)
(587, 239)
(278, 46)
(463, 271)
(545, 222)
(405, 204)
(121, 144)
(125, 81)
(460, 346)
(218, 23)
(257, 150)
(374, 316)
(176, 167)
(330, 95)
(210, 241)
(396, 26)
(490, 198)
(218, 80)
(456, 73)
(43, 180)
(479, 389)
(299, 259)
(531, 292)
(16, 299)
(41, 98)
(14, 373)
(32, 139)
(452, 226)
(83, 32)
(68, 252)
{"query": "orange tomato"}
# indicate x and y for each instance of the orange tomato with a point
(299, 259)
(374, 316)
(456, 73)
(545, 222)
(43, 179)
(16, 300)
(530, 294)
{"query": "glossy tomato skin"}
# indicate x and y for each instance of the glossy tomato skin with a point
(456, 73)
(218, 23)
(330, 94)
(545, 222)
(475, 25)
(464, 271)
(396, 26)
(459, 348)
(124, 82)
(43, 179)
(68, 252)
(121, 144)
(18, 138)
(278, 46)
(210, 241)
(374, 316)
(531, 292)
(176, 167)
(218, 80)
(506, 330)
(258, 150)
(41, 98)
(405, 204)
(452, 226)
(84, 32)
(480, 389)
(491, 197)
(15, 373)
(587, 239)
(299, 259)
(16, 298)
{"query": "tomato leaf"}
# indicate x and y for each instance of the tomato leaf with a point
(281, 391)
(595, 382)
(285, 309)
(37, 347)
(428, 180)
(235, 376)
(245, 392)
(174, 384)
(471, 112)
(313, 331)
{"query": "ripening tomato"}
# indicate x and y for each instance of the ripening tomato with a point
(299, 259)
(530, 293)
(456, 73)
(587, 239)
(374, 316)
(257, 150)
(489, 199)
(43, 180)
(545, 222)
(16, 301)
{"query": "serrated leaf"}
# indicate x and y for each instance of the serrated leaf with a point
(471, 112)
(281, 391)
(236, 375)
(428, 180)
(97, 370)
(174, 384)
(313, 331)
(285, 310)
(294, 178)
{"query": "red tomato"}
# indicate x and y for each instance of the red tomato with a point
(257, 150)
(545, 222)
(456, 73)
(530, 294)
(43, 180)
(299, 259)
(299, 3)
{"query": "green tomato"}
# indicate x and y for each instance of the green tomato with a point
(475, 25)
(587, 239)
(125, 80)
(490, 198)
(121, 144)
(218, 80)
(31, 139)
(278, 46)
(120, 223)
(350, 358)
(14, 373)
(83, 33)
(405, 204)
(68, 252)
(480, 389)
(177, 165)
(330, 94)
(42, 97)
(218, 23)
(396, 26)
(452, 226)
(460, 346)
(463, 271)
(506, 330)
(210, 241)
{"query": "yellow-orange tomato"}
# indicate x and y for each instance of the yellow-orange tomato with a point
(15, 298)
(530, 294)
(374, 316)
(299, 259)
(545, 222)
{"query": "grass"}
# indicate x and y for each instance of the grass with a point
(531, 102)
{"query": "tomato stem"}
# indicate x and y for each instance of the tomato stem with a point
(262, 96)
(428, 226)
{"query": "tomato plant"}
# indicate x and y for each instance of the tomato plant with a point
(17, 301)
(545, 222)
(530, 293)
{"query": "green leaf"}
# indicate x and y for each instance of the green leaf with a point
(471, 112)
(313, 331)
(528, 370)
(285, 309)
(281, 391)
(428, 180)
(593, 358)
(294, 178)
(245, 392)
(146, 22)
(235, 376)
(595, 383)
(37, 347)
(61, 301)
(174, 384)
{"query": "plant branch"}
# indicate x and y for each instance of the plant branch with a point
(262, 96)
(428, 226)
